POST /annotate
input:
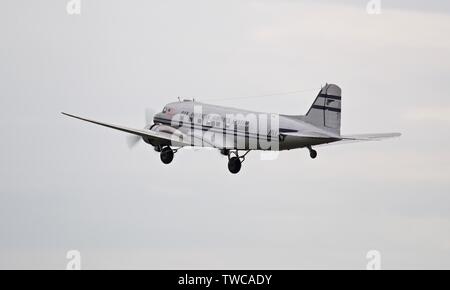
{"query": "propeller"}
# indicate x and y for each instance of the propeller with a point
(133, 140)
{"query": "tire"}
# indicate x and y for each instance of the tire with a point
(313, 154)
(234, 165)
(166, 155)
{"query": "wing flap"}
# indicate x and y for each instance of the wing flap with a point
(311, 135)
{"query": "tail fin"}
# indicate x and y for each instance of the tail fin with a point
(325, 112)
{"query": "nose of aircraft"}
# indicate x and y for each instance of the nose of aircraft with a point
(157, 118)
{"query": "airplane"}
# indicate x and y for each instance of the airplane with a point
(188, 123)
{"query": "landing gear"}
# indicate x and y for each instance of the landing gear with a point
(235, 162)
(234, 165)
(312, 152)
(167, 155)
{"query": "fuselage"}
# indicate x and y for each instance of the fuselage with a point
(230, 130)
(217, 126)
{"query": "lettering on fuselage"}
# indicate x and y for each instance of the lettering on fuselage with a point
(257, 131)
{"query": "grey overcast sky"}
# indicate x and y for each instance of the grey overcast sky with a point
(68, 185)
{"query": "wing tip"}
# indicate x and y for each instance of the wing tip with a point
(393, 135)
(70, 115)
(372, 137)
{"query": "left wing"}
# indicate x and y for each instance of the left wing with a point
(176, 140)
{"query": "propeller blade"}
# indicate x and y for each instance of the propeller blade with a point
(133, 141)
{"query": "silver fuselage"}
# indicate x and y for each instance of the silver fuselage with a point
(225, 127)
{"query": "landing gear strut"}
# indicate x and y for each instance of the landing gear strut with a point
(235, 162)
(312, 152)
(167, 154)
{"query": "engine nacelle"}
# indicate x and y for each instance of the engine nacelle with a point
(163, 129)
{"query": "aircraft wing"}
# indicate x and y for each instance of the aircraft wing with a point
(331, 139)
(364, 138)
(176, 140)
(311, 135)
(372, 137)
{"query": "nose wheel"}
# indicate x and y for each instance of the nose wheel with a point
(234, 165)
(312, 153)
(167, 155)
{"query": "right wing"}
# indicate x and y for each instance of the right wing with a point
(372, 137)
(176, 140)
(363, 138)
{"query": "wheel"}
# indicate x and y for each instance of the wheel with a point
(166, 155)
(313, 153)
(234, 165)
